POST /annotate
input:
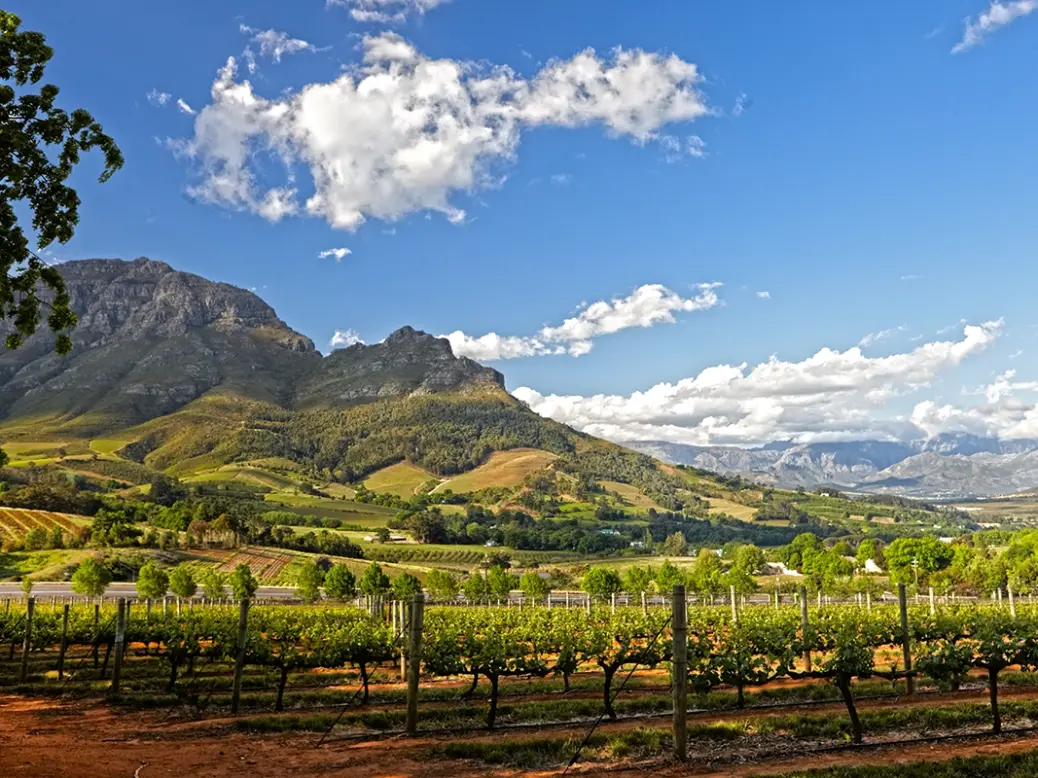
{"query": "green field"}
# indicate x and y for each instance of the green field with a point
(401, 479)
(738, 510)
(630, 494)
(361, 514)
(504, 468)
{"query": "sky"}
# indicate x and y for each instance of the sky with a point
(704, 223)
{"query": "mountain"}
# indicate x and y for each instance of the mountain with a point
(950, 465)
(183, 372)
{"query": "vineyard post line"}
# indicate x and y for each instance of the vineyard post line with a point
(30, 606)
(679, 632)
(64, 642)
(417, 624)
(805, 627)
(120, 637)
(905, 637)
(239, 662)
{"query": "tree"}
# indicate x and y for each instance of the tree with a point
(499, 582)
(749, 559)
(152, 582)
(243, 583)
(475, 588)
(674, 545)
(601, 581)
(441, 584)
(213, 583)
(533, 586)
(706, 573)
(340, 583)
(27, 584)
(308, 582)
(907, 557)
(638, 579)
(32, 128)
(373, 582)
(91, 578)
(36, 539)
(406, 586)
(668, 576)
(182, 582)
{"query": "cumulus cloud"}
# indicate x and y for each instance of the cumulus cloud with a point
(157, 98)
(876, 337)
(273, 44)
(1004, 413)
(344, 339)
(400, 132)
(387, 11)
(339, 254)
(829, 396)
(184, 107)
(646, 306)
(764, 295)
(998, 15)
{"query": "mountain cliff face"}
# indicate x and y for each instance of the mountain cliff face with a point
(951, 465)
(152, 340)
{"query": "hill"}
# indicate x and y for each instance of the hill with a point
(173, 376)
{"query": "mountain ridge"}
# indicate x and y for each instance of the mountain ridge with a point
(953, 465)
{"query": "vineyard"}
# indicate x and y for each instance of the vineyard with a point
(763, 681)
(16, 523)
(265, 564)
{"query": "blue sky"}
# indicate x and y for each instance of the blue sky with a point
(838, 156)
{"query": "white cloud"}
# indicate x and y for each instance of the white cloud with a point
(561, 179)
(741, 104)
(1017, 354)
(829, 396)
(951, 327)
(344, 339)
(876, 337)
(1003, 414)
(157, 98)
(999, 14)
(400, 132)
(339, 254)
(274, 44)
(387, 11)
(910, 277)
(764, 295)
(646, 306)
(184, 107)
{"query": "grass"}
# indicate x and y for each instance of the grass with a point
(401, 479)
(630, 494)
(47, 565)
(504, 468)
(739, 511)
(107, 445)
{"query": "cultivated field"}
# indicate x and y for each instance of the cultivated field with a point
(504, 468)
(401, 479)
(16, 523)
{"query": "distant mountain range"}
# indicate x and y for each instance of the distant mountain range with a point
(949, 466)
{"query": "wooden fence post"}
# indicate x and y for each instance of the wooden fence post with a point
(64, 643)
(679, 631)
(30, 606)
(120, 639)
(97, 631)
(735, 607)
(933, 608)
(905, 638)
(805, 627)
(239, 661)
(417, 624)
(1012, 600)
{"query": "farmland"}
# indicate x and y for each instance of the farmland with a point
(16, 523)
(401, 479)
(504, 468)
(332, 672)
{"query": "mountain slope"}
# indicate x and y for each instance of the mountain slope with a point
(193, 373)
